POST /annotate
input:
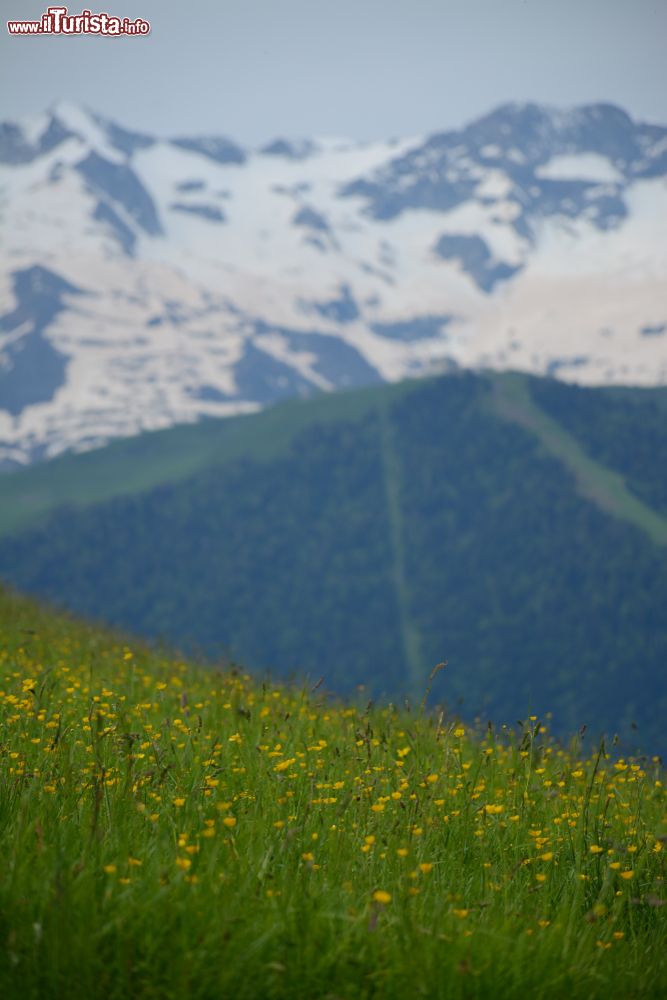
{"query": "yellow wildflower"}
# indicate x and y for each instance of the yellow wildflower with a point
(381, 896)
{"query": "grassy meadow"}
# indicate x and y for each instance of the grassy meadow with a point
(175, 831)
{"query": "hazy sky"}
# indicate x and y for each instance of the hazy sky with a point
(255, 69)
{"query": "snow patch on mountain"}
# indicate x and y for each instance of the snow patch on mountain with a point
(583, 167)
(199, 278)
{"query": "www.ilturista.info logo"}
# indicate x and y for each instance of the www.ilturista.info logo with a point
(57, 21)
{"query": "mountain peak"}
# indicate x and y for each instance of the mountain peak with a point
(70, 112)
(77, 120)
(220, 281)
(96, 131)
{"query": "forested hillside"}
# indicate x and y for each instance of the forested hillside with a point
(449, 521)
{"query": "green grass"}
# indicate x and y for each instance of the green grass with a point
(169, 831)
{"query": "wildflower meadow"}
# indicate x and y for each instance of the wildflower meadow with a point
(171, 830)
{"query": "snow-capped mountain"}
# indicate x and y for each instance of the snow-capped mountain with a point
(146, 282)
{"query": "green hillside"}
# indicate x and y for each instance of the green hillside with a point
(169, 832)
(137, 464)
(630, 436)
(367, 537)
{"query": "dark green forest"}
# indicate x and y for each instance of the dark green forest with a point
(624, 431)
(428, 526)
